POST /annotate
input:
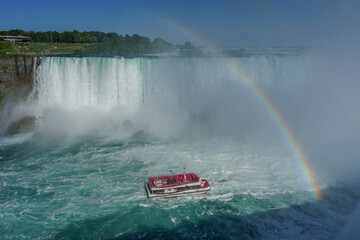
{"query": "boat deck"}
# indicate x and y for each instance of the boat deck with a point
(176, 185)
(173, 180)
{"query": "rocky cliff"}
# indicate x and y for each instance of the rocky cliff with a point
(16, 83)
(15, 71)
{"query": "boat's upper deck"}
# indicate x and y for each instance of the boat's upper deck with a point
(173, 180)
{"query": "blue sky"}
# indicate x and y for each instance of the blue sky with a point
(223, 22)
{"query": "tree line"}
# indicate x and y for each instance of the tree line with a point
(99, 42)
(108, 43)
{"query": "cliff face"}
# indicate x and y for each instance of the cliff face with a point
(16, 71)
(16, 83)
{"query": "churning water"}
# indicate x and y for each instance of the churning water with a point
(106, 124)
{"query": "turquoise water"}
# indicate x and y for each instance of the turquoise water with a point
(104, 125)
(92, 188)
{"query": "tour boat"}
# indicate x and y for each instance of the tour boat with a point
(176, 185)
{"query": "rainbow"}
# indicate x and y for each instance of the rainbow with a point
(307, 172)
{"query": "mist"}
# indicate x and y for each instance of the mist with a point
(104, 124)
(203, 98)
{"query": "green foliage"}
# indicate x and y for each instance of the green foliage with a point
(134, 44)
(190, 50)
(14, 32)
(51, 48)
(160, 45)
(78, 52)
(7, 47)
(101, 43)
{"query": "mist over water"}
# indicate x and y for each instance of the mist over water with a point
(172, 96)
(106, 124)
(186, 89)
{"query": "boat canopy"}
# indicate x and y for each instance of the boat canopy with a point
(173, 180)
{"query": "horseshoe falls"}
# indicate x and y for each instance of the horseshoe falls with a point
(268, 131)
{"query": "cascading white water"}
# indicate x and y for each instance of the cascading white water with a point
(72, 82)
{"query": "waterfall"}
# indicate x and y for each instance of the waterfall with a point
(71, 82)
